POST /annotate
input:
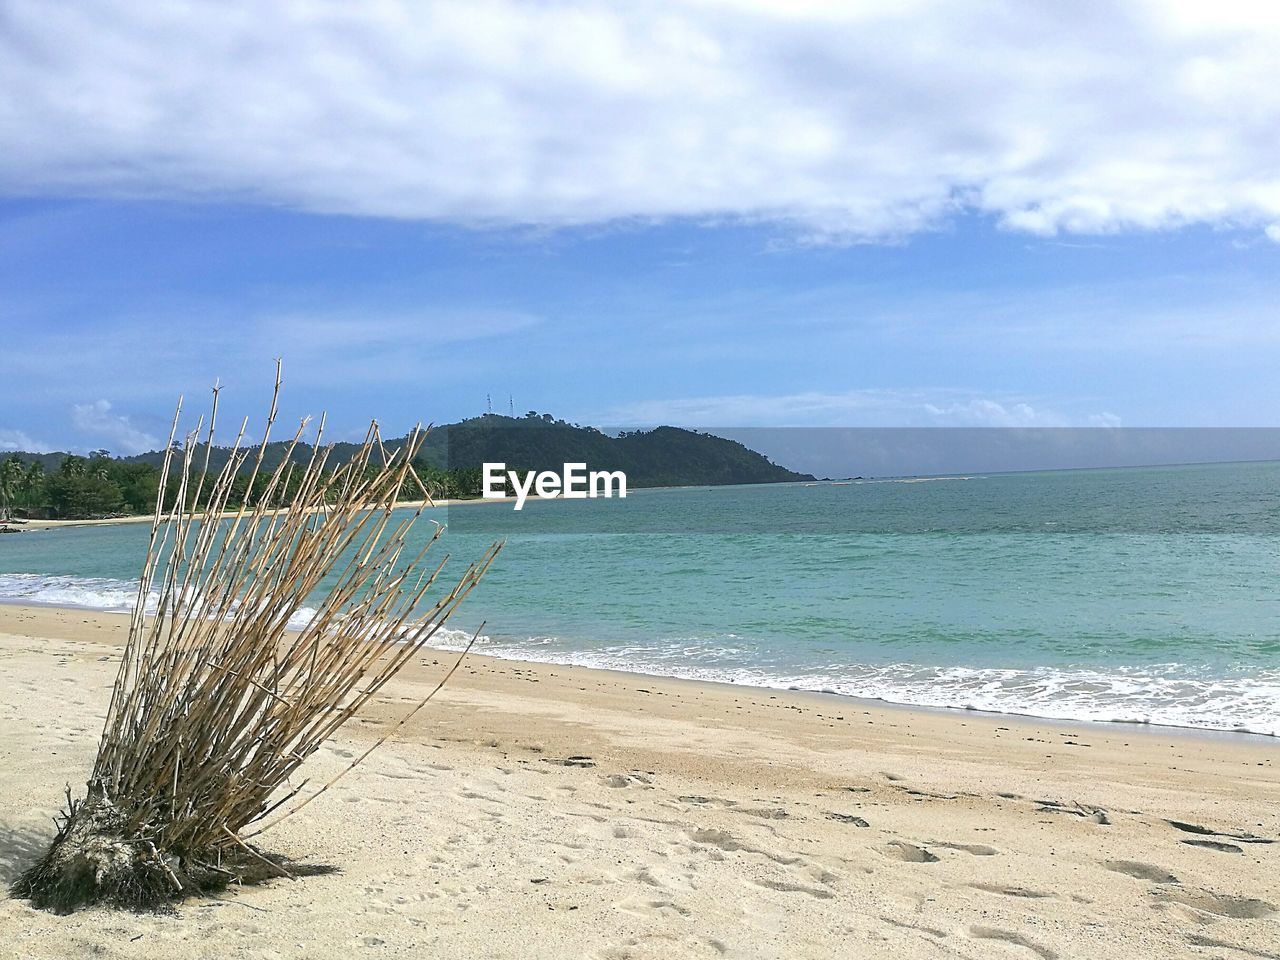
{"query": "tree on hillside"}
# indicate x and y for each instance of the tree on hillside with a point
(99, 464)
(73, 466)
(81, 494)
(138, 483)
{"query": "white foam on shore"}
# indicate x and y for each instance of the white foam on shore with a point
(91, 593)
(1156, 695)
(81, 592)
(1161, 694)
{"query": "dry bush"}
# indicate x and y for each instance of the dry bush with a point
(217, 702)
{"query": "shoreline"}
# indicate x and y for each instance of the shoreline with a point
(9, 611)
(24, 525)
(535, 810)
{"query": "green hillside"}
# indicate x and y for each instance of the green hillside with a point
(70, 486)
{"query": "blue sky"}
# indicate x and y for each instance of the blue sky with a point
(711, 213)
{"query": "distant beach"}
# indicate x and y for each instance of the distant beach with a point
(147, 518)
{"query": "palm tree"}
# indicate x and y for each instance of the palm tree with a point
(32, 482)
(11, 473)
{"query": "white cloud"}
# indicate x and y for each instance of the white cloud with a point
(98, 422)
(18, 440)
(846, 120)
(862, 408)
(981, 412)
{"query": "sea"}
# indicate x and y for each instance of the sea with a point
(1139, 595)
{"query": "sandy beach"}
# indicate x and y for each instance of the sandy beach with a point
(544, 811)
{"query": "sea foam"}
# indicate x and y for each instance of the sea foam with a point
(1160, 694)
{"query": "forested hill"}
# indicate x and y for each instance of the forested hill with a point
(62, 485)
(662, 457)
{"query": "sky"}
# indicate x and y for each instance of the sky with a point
(714, 213)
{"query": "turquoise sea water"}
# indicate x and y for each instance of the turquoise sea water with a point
(1147, 595)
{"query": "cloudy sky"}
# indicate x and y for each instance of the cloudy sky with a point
(711, 212)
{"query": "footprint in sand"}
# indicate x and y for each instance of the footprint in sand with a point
(1015, 939)
(783, 886)
(976, 849)
(476, 795)
(1235, 908)
(1215, 845)
(1206, 832)
(723, 840)
(644, 907)
(661, 945)
(1085, 811)
(664, 879)
(1141, 871)
(570, 761)
(765, 813)
(848, 818)
(716, 838)
(908, 852)
(705, 801)
(1022, 892)
(1200, 940)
